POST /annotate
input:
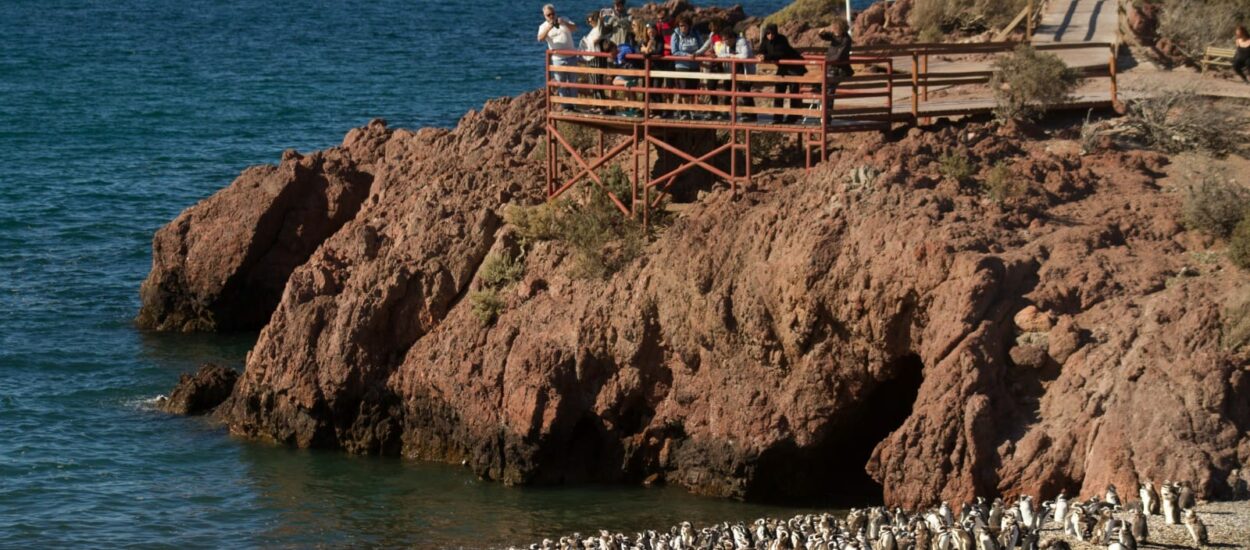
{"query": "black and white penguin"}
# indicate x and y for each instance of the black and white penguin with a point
(1185, 496)
(1149, 498)
(1139, 526)
(1239, 486)
(1112, 497)
(1197, 529)
(1061, 509)
(1167, 504)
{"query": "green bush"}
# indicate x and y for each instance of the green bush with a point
(487, 305)
(1214, 205)
(812, 12)
(935, 19)
(1239, 244)
(501, 270)
(1236, 333)
(1026, 82)
(533, 223)
(1003, 185)
(603, 239)
(957, 167)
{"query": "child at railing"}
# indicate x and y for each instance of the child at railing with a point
(619, 58)
(735, 46)
(652, 46)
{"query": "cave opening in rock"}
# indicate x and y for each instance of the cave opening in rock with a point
(832, 472)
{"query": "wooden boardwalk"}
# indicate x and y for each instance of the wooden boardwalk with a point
(647, 103)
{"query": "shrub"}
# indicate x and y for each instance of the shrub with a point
(1239, 244)
(812, 12)
(1214, 205)
(1236, 333)
(533, 223)
(956, 167)
(1194, 25)
(936, 18)
(501, 270)
(1175, 121)
(602, 238)
(1003, 185)
(1026, 82)
(487, 305)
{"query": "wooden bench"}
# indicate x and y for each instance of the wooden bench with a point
(1217, 56)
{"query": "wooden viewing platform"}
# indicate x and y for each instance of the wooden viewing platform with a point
(903, 84)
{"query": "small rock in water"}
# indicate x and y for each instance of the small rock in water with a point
(201, 392)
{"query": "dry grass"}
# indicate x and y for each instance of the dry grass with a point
(1194, 25)
(1213, 204)
(1002, 185)
(935, 19)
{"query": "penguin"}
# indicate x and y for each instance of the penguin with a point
(985, 541)
(886, 540)
(1197, 529)
(1167, 504)
(1127, 539)
(1139, 526)
(1010, 535)
(1239, 486)
(1076, 524)
(1029, 541)
(996, 515)
(1112, 497)
(1061, 509)
(1185, 496)
(920, 533)
(948, 518)
(1149, 498)
(1026, 511)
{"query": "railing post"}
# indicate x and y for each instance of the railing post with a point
(826, 106)
(889, 88)
(1115, 88)
(925, 63)
(646, 85)
(915, 86)
(1028, 24)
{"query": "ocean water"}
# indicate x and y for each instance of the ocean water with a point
(114, 116)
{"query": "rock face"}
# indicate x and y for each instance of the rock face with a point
(201, 392)
(222, 264)
(898, 336)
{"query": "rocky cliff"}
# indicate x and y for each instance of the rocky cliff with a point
(870, 329)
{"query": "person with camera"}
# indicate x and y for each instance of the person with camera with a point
(557, 32)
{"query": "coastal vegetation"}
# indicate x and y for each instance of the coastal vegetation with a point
(934, 19)
(1027, 82)
(602, 240)
(812, 12)
(1194, 25)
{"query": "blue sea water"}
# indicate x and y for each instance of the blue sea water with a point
(114, 116)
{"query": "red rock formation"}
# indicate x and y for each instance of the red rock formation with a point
(222, 264)
(775, 344)
(201, 392)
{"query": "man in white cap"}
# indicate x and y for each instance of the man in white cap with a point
(557, 32)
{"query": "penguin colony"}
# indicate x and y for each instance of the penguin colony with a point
(1106, 521)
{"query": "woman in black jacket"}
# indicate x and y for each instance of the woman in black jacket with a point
(773, 48)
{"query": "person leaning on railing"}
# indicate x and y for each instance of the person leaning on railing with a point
(837, 57)
(557, 32)
(651, 45)
(686, 42)
(590, 43)
(775, 48)
(735, 46)
(709, 48)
